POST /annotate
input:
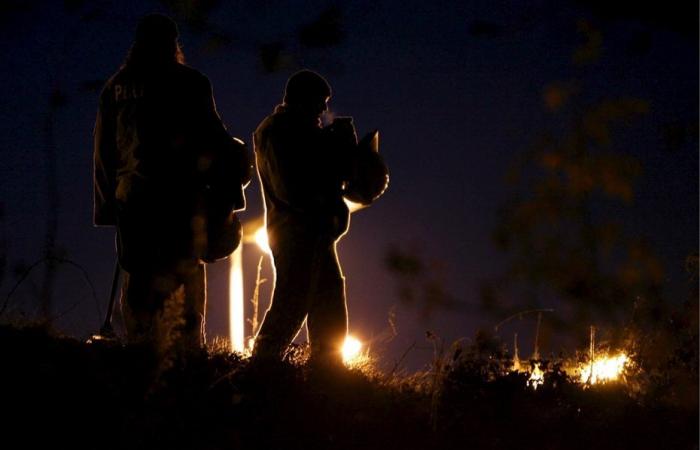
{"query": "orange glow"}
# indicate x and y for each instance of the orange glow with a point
(236, 319)
(603, 369)
(351, 350)
(261, 239)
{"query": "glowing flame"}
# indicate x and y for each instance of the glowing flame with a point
(351, 349)
(603, 369)
(261, 239)
(236, 319)
(536, 377)
(517, 367)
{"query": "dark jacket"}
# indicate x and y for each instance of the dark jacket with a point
(155, 136)
(302, 170)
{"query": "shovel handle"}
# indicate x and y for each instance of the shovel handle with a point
(107, 326)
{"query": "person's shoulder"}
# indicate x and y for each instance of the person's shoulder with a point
(264, 126)
(191, 75)
(111, 81)
(108, 87)
(273, 122)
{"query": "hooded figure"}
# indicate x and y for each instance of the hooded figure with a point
(169, 177)
(303, 170)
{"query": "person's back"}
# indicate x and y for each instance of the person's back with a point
(159, 123)
(301, 173)
(161, 116)
(158, 144)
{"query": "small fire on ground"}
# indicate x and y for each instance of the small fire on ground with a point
(603, 368)
(599, 367)
(536, 377)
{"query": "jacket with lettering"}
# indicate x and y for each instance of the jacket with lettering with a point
(149, 133)
(166, 171)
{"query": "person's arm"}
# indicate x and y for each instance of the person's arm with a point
(105, 162)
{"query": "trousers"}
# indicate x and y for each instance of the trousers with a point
(309, 285)
(166, 305)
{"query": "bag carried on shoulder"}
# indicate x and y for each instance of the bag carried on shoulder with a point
(369, 176)
(226, 171)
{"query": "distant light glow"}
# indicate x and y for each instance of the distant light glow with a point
(262, 240)
(236, 319)
(351, 349)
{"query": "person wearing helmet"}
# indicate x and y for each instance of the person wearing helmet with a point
(303, 170)
(159, 149)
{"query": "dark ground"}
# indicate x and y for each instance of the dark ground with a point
(65, 393)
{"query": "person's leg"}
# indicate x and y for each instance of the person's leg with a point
(194, 279)
(328, 316)
(182, 294)
(154, 306)
(290, 299)
(138, 306)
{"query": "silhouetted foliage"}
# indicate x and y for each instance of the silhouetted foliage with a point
(419, 284)
(218, 41)
(273, 57)
(193, 12)
(667, 352)
(403, 263)
(557, 240)
(562, 247)
(325, 31)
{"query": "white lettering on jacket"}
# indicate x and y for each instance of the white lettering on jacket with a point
(124, 92)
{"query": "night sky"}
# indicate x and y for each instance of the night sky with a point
(455, 88)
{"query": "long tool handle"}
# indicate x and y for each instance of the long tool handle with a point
(107, 329)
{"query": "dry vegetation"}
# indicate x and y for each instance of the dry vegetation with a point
(71, 394)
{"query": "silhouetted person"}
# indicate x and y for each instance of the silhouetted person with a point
(304, 171)
(169, 177)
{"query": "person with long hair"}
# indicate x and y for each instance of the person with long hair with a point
(155, 136)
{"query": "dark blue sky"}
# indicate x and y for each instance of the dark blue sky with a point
(454, 109)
